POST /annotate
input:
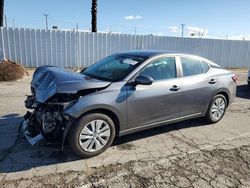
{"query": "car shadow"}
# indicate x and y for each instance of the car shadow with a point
(243, 91)
(197, 122)
(17, 155)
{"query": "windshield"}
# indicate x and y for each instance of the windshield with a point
(114, 67)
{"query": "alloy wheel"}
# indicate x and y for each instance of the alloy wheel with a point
(94, 136)
(218, 108)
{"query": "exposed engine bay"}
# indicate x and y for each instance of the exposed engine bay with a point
(46, 120)
(53, 91)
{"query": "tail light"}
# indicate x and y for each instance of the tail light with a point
(234, 77)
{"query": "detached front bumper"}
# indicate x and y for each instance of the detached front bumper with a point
(39, 138)
(23, 130)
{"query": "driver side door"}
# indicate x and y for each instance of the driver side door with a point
(161, 101)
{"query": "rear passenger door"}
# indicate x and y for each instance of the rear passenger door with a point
(197, 90)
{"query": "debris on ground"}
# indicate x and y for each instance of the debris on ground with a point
(10, 71)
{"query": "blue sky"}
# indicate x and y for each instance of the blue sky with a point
(212, 18)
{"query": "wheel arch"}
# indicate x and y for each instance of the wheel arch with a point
(105, 111)
(109, 113)
(220, 93)
(225, 94)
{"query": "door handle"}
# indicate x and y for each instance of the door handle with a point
(175, 88)
(212, 81)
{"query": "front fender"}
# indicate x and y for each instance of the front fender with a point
(84, 111)
(83, 107)
(108, 101)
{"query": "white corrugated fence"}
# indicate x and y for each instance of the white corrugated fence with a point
(36, 47)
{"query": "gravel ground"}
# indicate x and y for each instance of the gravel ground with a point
(187, 154)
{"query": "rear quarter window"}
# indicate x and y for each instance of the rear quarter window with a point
(205, 67)
(191, 66)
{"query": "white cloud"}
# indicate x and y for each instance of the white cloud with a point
(131, 17)
(174, 29)
(197, 31)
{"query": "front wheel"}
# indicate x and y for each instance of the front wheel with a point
(91, 135)
(216, 109)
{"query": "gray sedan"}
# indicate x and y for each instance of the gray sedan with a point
(121, 94)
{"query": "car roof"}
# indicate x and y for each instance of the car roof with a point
(147, 53)
(151, 53)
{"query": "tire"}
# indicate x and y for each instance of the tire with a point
(215, 113)
(91, 135)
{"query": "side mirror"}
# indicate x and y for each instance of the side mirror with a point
(143, 80)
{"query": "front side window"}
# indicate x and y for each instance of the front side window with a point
(114, 67)
(161, 69)
(191, 66)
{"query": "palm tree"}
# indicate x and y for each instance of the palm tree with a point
(1, 12)
(94, 15)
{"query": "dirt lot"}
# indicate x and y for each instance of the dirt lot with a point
(187, 154)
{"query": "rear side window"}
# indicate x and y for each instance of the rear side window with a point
(205, 67)
(191, 66)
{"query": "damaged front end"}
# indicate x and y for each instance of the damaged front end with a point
(53, 91)
(46, 121)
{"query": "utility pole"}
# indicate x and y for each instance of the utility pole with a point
(13, 23)
(77, 26)
(94, 16)
(46, 20)
(5, 20)
(1, 12)
(182, 30)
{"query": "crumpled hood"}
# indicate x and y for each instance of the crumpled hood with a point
(48, 80)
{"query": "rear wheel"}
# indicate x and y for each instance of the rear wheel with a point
(216, 109)
(91, 135)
